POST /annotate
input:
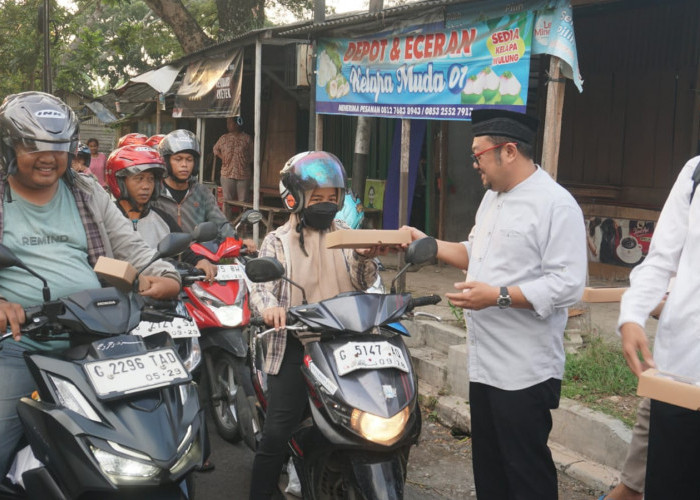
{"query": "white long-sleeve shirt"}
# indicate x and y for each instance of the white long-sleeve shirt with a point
(534, 237)
(675, 249)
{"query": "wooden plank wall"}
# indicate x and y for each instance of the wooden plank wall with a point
(630, 131)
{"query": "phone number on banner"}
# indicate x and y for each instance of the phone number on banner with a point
(406, 111)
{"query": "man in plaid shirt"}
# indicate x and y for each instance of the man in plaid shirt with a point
(236, 152)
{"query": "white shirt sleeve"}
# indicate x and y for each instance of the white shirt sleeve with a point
(564, 262)
(650, 279)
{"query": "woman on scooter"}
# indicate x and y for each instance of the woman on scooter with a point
(134, 175)
(312, 187)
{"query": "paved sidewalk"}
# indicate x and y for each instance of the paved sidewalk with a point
(587, 445)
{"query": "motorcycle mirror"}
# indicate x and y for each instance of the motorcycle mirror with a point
(170, 246)
(173, 244)
(7, 258)
(251, 217)
(264, 269)
(206, 231)
(421, 250)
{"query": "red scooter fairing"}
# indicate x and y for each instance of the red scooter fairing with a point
(230, 247)
(233, 293)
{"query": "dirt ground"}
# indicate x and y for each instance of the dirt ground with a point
(441, 464)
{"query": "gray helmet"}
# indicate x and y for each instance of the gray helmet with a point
(179, 141)
(37, 122)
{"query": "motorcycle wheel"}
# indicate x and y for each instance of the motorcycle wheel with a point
(228, 373)
(328, 482)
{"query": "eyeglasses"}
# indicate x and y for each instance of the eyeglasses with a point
(475, 156)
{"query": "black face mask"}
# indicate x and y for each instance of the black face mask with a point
(319, 216)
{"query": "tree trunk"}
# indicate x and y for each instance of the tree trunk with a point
(239, 16)
(173, 13)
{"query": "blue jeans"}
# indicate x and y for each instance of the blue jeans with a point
(15, 382)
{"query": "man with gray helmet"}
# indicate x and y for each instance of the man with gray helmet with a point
(187, 201)
(58, 223)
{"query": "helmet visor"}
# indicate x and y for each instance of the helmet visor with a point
(156, 168)
(27, 146)
(315, 170)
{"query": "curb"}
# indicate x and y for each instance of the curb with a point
(453, 411)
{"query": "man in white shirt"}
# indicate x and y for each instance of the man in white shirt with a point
(674, 432)
(526, 263)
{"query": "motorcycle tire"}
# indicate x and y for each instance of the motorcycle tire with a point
(228, 374)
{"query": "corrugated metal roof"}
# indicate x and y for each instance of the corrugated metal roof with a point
(362, 17)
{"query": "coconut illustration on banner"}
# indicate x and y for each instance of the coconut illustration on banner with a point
(509, 87)
(491, 83)
(329, 74)
(326, 69)
(472, 92)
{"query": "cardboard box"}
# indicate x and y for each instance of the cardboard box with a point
(669, 388)
(591, 294)
(117, 273)
(363, 238)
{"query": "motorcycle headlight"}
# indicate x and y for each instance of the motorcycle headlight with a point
(379, 430)
(69, 396)
(228, 315)
(119, 467)
(205, 296)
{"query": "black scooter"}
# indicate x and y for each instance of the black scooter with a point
(115, 416)
(363, 411)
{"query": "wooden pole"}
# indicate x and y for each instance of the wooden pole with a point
(256, 140)
(403, 189)
(552, 122)
(318, 141)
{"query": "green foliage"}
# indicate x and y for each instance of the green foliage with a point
(96, 45)
(458, 313)
(597, 372)
(20, 53)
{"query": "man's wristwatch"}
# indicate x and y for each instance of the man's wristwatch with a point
(504, 299)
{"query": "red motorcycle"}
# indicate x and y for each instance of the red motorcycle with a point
(221, 312)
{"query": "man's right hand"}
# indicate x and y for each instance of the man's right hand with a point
(275, 316)
(634, 342)
(12, 315)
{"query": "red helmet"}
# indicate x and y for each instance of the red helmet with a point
(132, 160)
(154, 140)
(131, 139)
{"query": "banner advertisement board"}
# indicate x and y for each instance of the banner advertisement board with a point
(477, 56)
(211, 88)
(428, 74)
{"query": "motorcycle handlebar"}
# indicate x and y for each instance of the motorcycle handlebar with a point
(258, 320)
(428, 300)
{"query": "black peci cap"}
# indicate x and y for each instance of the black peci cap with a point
(499, 122)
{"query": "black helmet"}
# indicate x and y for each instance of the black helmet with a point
(307, 171)
(179, 141)
(38, 122)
